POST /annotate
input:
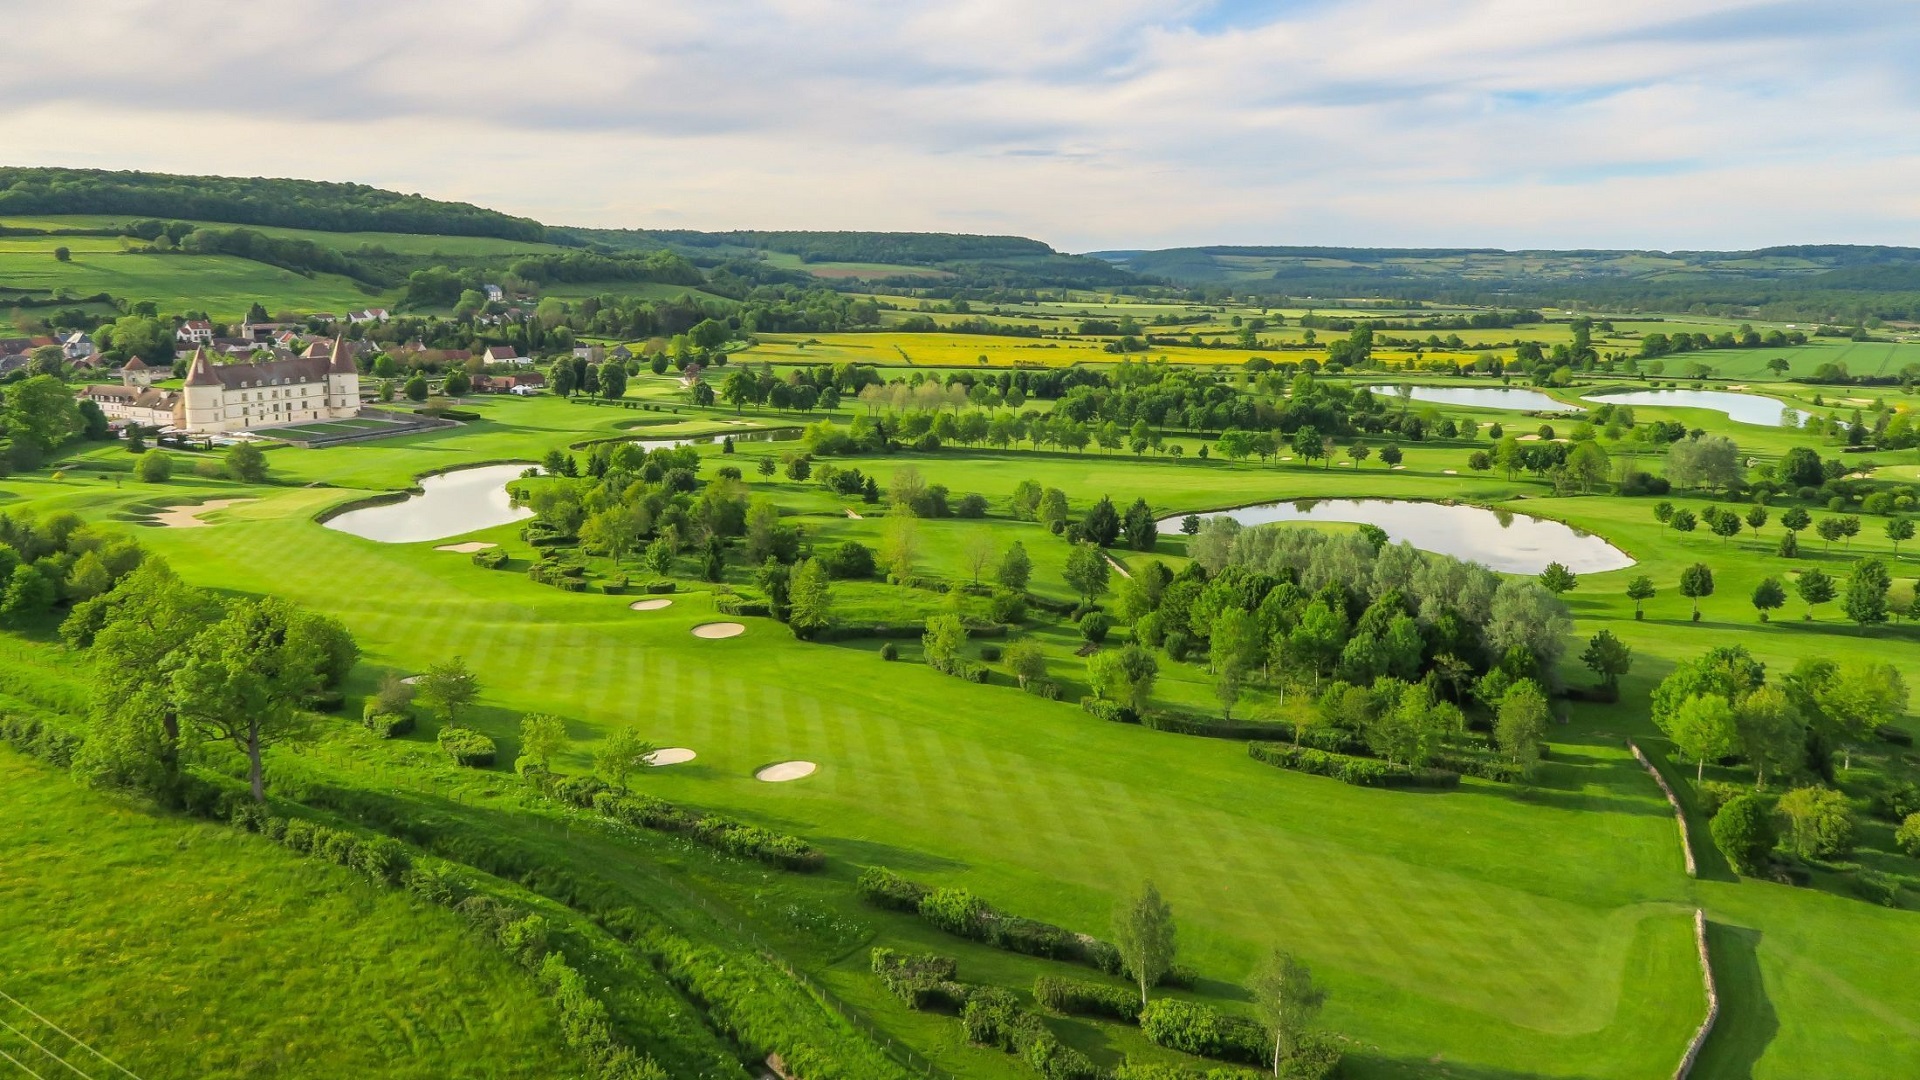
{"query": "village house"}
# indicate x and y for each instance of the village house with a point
(77, 346)
(505, 354)
(195, 332)
(520, 382)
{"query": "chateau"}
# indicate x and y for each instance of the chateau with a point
(324, 385)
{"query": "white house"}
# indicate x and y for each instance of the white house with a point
(504, 354)
(238, 397)
(495, 294)
(77, 346)
(370, 315)
(195, 332)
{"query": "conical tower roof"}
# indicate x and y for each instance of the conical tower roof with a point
(341, 362)
(201, 372)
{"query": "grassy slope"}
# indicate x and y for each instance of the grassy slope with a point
(1543, 933)
(185, 949)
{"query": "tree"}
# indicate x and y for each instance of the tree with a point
(41, 413)
(1819, 822)
(1126, 675)
(1087, 571)
(1026, 661)
(243, 680)
(153, 467)
(447, 687)
(1899, 530)
(1640, 590)
(658, 557)
(1520, 722)
(1867, 587)
(1768, 596)
(1696, 581)
(900, 546)
(1683, 521)
(1143, 932)
(247, 463)
(1287, 1001)
(613, 380)
(542, 737)
(456, 384)
(29, 593)
(1609, 658)
(1015, 569)
(1558, 579)
(1101, 526)
(1306, 444)
(767, 466)
(1358, 453)
(1725, 525)
(416, 387)
(906, 491)
(943, 642)
(1771, 729)
(1390, 455)
(977, 552)
(1052, 511)
(1235, 648)
(1856, 696)
(1815, 588)
(1703, 729)
(1743, 831)
(1831, 529)
(1756, 517)
(620, 755)
(1796, 518)
(1139, 526)
(810, 595)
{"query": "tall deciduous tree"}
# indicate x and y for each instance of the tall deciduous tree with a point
(621, 754)
(447, 687)
(1288, 1002)
(811, 597)
(542, 737)
(1704, 730)
(243, 680)
(1143, 931)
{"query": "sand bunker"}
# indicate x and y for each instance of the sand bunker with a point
(188, 517)
(654, 603)
(785, 770)
(413, 680)
(719, 630)
(1450, 472)
(1397, 468)
(467, 548)
(672, 755)
(852, 515)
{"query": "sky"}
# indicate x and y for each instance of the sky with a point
(1663, 124)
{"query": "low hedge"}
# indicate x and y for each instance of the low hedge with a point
(1194, 1028)
(884, 888)
(962, 914)
(1212, 728)
(720, 833)
(490, 559)
(50, 742)
(1363, 772)
(922, 980)
(993, 1017)
(657, 587)
(741, 603)
(1486, 768)
(1076, 997)
(386, 725)
(1110, 711)
(467, 747)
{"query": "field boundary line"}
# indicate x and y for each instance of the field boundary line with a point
(68, 1035)
(1699, 1042)
(1679, 815)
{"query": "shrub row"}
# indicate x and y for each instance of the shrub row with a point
(741, 603)
(962, 914)
(720, 833)
(1486, 768)
(883, 888)
(1364, 772)
(922, 980)
(1111, 711)
(993, 1017)
(1194, 1028)
(41, 738)
(467, 747)
(490, 559)
(1076, 997)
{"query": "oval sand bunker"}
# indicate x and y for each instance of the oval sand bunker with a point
(785, 770)
(719, 630)
(672, 755)
(654, 604)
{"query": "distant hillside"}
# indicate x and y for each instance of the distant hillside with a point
(1807, 281)
(299, 204)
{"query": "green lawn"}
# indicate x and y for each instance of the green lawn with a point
(222, 285)
(183, 949)
(1506, 932)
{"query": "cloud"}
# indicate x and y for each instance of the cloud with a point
(1651, 123)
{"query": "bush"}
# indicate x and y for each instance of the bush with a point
(1908, 835)
(1874, 886)
(922, 980)
(1075, 997)
(849, 560)
(657, 586)
(992, 1017)
(1715, 794)
(467, 747)
(1743, 831)
(490, 559)
(1110, 711)
(1007, 606)
(1363, 772)
(1178, 644)
(614, 585)
(889, 651)
(956, 911)
(882, 887)
(386, 725)
(712, 830)
(1193, 1028)
(1094, 626)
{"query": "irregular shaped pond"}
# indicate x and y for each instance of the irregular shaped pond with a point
(1740, 408)
(765, 435)
(449, 504)
(1482, 397)
(1508, 542)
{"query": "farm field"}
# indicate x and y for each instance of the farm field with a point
(222, 285)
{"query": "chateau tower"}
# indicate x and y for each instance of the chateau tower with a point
(343, 380)
(204, 396)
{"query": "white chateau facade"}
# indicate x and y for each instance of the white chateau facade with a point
(237, 397)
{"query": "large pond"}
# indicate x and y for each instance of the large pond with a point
(767, 435)
(1482, 397)
(449, 504)
(1741, 408)
(1508, 542)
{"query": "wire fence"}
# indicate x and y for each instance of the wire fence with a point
(38, 1032)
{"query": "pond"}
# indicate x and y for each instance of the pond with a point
(1499, 540)
(1511, 399)
(766, 435)
(449, 504)
(1741, 408)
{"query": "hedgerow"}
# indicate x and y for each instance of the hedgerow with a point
(467, 747)
(1079, 998)
(993, 1017)
(1364, 772)
(1194, 1028)
(922, 980)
